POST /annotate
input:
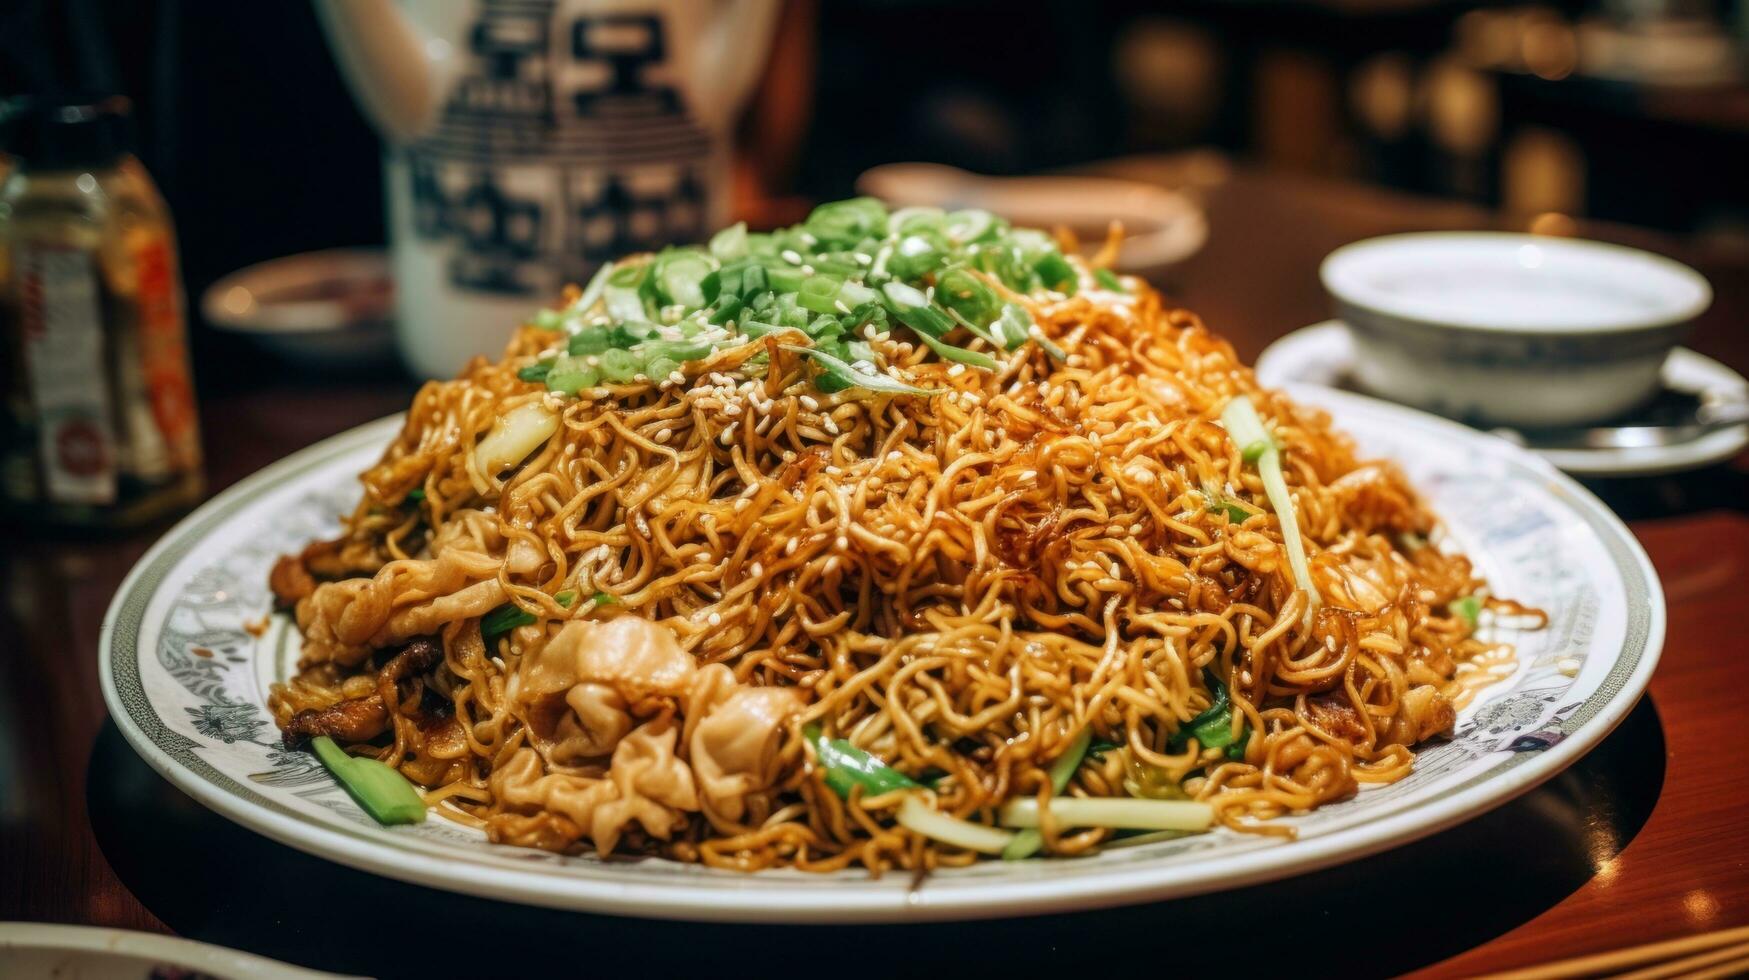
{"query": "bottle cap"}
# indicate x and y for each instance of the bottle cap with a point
(66, 132)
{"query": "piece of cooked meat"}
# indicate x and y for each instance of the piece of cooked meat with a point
(295, 576)
(364, 718)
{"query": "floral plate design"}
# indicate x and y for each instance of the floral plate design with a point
(186, 681)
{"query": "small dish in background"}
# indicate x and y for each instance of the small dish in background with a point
(333, 308)
(39, 949)
(1509, 329)
(1323, 354)
(1160, 226)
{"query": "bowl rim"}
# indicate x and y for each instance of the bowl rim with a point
(1692, 294)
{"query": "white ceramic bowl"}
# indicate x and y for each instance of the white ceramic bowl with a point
(1511, 329)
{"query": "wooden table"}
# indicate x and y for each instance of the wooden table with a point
(1642, 839)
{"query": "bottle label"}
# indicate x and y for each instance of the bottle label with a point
(164, 358)
(63, 353)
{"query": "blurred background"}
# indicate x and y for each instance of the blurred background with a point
(1632, 111)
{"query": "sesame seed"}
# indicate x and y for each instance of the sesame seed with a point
(741, 504)
(714, 619)
(843, 543)
(810, 403)
(789, 547)
(956, 370)
(664, 434)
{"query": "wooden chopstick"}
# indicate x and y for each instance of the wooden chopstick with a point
(1622, 959)
(1687, 965)
(1735, 968)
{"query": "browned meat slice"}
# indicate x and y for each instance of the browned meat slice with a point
(290, 581)
(296, 576)
(362, 719)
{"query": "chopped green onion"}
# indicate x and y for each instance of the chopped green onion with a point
(621, 365)
(1468, 608)
(917, 255)
(604, 599)
(1109, 280)
(843, 375)
(679, 274)
(949, 352)
(378, 789)
(846, 767)
(819, 294)
(847, 222)
(1027, 842)
(570, 375)
(549, 320)
(509, 616)
(730, 243)
(414, 496)
(1130, 814)
(1056, 272)
(590, 340)
(535, 372)
(914, 219)
(1246, 429)
(969, 225)
(1101, 747)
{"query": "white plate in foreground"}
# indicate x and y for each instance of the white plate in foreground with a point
(187, 684)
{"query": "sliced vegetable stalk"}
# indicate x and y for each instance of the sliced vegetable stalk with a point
(1027, 842)
(378, 789)
(1246, 430)
(846, 767)
(1108, 811)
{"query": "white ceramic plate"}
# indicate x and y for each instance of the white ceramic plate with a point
(1323, 354)
(187, 684)
(38, 949)
(1160, 226)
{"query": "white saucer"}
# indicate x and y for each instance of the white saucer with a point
(1323, 354)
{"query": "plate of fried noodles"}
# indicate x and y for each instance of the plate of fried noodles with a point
(897, 565)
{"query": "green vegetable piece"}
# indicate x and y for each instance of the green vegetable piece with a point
(621, 365)
(1245, 428)
(819, 294)
(590, 340)
(570, 375)
(1056, 272)
(660, 368)
(846, 767)
(1101, 747)
(549, 320)
(1213, 727)
(509, 616)
(605, 599)
(838, 372)
(414, 496)
(1109, 280)
(949, 352)
(1026, 843)
(1469, 608)
(969, 225)
(730, 243)
(535, 372)
(917, 255)
(844, 223)
(679, 275)
(378, 790)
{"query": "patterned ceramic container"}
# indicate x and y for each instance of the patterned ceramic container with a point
(186, 681)
(1505, 329)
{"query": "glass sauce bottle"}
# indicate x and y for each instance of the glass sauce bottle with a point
(100, 426)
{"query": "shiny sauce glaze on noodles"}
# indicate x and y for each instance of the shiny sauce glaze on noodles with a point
(957, 584)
